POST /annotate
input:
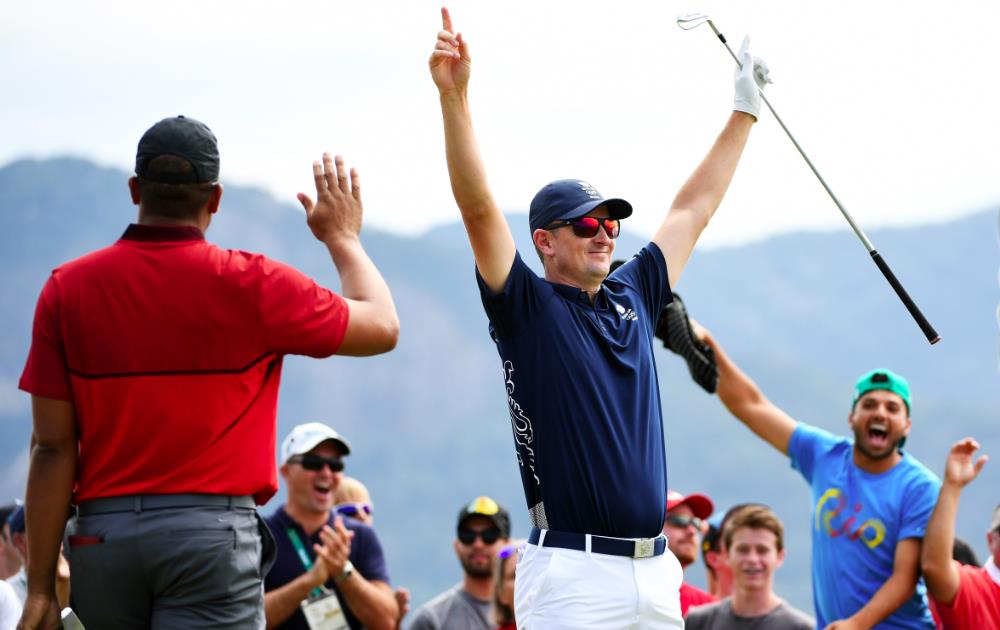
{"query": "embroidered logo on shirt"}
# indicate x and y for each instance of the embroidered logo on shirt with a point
(626, 313)
(829, 508)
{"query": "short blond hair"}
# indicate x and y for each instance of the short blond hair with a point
(350, 490)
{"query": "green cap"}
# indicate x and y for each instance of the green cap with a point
(883, 379)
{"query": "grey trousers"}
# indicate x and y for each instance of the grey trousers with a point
(190, 567)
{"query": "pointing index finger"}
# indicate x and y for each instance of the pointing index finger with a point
(446, 20)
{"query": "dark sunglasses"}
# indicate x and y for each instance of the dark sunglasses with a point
(488, 536)
(316, 462)
(352, 509)
(586, 227)
(683, 521)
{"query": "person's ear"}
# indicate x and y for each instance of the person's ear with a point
(543, 241)
(133, 189)
(215, 199)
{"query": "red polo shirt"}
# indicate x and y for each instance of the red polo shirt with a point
(170, 349)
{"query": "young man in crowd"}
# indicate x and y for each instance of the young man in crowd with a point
(577, 362)
(327, 567)
(719, 577)
(870, 499)
(482, 531)
(154, 367)
(965, 596)
(754, 549)
(683, 527)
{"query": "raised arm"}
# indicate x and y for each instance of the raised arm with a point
(335, 220)
(702, 193)
(940, 571)
(745, 400)
(892, 594)
(489, 234)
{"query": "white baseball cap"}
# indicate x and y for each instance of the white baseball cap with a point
(305, 437)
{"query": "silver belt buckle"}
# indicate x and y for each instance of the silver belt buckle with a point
(644, 548)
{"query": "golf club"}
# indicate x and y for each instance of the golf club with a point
(689, 21)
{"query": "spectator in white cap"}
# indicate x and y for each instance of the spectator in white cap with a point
(684, 525)
(328, 569)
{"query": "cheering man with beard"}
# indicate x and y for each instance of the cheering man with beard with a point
(870, 500)
(482, 531)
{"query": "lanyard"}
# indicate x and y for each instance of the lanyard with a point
(303, 556)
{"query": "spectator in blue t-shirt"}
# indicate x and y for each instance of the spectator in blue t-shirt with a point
(870, 499)
(577, 363)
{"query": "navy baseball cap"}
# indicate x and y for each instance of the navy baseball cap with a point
(16, 520)
(181, 137)
(570, 199)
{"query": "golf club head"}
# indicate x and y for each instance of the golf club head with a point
(688, 21)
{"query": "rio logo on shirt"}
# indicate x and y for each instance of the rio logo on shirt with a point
(830, 519)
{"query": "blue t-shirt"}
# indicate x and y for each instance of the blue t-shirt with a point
(858, 518)
(583, 396)
(366, 556)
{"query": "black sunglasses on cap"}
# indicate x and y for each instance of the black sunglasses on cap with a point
(488, 536)
(586, 227)
(316, 462)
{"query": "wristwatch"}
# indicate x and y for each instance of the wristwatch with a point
(346, 573)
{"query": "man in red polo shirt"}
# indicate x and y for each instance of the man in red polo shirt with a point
(683, 527)
(154, 370)
(964, 596)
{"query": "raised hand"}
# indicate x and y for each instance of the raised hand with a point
(337, 211)
(450, 62)
(961, 466)
(751, 77)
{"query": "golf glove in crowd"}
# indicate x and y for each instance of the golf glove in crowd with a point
(751, 77)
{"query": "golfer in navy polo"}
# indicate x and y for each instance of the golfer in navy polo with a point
(577, 355)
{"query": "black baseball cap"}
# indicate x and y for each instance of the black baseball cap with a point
(182, 137)
(571, 199)
(485, 506)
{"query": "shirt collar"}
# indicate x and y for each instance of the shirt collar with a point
(576, 294)
(161, 233)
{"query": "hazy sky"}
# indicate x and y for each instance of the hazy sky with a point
(893, 102)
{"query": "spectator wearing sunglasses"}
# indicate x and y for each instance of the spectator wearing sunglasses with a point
(577, 361)
(504, 575)
(154, 372)
(683, 526)
(483, 529)
(327, 566)
(353, 500)
(965, 596)
(870, 499)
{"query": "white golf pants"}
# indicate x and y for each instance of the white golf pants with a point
(559, 589)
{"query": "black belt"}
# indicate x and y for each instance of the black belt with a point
(628, 547)
(142, 502)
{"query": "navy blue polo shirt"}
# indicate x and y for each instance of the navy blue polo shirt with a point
(583, 396)
(366, 556)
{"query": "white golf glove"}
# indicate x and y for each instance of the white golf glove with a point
(751, 77)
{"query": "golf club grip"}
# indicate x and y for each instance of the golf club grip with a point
(925, 325)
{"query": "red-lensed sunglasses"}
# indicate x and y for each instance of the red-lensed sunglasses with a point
(586, 227)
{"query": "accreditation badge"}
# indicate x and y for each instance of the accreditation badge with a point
(323, 612)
